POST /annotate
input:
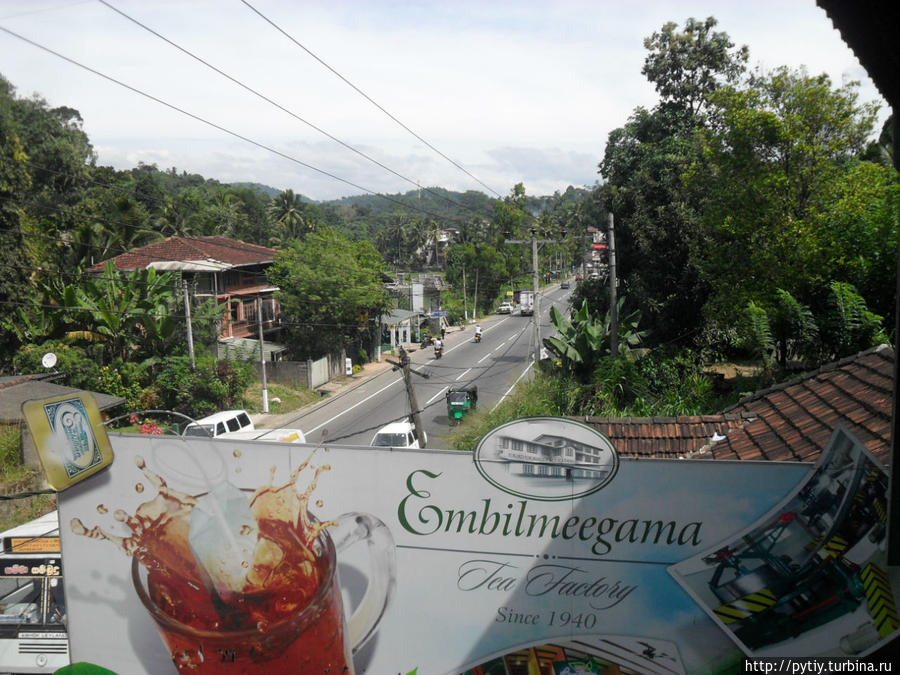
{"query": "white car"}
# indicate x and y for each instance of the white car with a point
(397, 435)
(220, 423)
(505, 308)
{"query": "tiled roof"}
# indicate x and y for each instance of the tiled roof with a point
(791, 421)
(229, 251)
(669, 437)
(794, 420)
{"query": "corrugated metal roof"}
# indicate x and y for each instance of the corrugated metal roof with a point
(15, 393)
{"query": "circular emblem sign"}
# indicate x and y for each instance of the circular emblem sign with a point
(546, 458)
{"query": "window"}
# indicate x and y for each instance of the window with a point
(233, 424)
(243, 420)
(20, 600)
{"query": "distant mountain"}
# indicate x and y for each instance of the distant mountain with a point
(269, 190)
(432, 200)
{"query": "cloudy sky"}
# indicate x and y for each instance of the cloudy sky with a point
(377, 95)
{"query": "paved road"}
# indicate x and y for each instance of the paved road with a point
(503, 357)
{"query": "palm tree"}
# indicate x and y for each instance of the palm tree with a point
(286, 213)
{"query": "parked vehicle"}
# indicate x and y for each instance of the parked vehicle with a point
(33, 635)
(505, 308)
(398, 435)
(526, 302)
(460, 400)
(220, 423)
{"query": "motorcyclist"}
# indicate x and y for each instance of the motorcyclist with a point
(478, 333)
(438, 345)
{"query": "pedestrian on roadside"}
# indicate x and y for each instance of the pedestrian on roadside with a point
(443, 331)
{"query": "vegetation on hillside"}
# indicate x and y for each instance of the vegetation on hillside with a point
(755, 219)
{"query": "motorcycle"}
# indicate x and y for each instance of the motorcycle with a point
(438, 351)
(427, 342)
(477, 337)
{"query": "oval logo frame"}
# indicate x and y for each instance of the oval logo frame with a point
(546, 459)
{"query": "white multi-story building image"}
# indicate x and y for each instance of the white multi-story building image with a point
(554, 456)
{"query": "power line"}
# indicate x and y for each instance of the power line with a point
(214, 125)
(367, 97)
(280, 107)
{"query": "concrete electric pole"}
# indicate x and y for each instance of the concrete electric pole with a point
(535, 282)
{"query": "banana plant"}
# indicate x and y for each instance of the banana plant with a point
(583, 341)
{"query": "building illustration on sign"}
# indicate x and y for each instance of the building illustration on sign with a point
(553, 456)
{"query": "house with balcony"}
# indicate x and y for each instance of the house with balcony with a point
(230, 271)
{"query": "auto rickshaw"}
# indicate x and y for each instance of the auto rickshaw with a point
(459, 401)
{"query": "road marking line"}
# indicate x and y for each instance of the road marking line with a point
(399, 379)
(462, 375)
(436, 395)
(513, 385)
(486, 356)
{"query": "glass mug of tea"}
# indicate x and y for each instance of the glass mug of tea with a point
(255, 634)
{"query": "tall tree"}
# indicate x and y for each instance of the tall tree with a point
(773, 158)
(331, 292)
(688, 65)
(655, 216)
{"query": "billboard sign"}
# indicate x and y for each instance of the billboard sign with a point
(543, 549)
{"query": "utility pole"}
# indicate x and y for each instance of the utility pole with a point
(613, 300)
(535, 282)
(411, 393)
(190, 332)
(475, 303)
(536, 304)
(262, 356)
(465, 299)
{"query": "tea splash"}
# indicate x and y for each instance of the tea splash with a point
(288, 572)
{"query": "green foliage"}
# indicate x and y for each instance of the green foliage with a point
(659, 384)
(79, 364)
(687, 66)
(755, 335)
(123, 380)
(794, 330)
(212, 386)
(849, 326)
(583, 341)
(332, 294)
(774, 156)
(485, 266)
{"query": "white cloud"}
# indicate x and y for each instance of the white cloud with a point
(514, 91)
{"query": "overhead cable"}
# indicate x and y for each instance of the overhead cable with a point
(368, 98)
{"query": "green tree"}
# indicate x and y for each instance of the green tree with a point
(331, 292)
(287, 215)
(772, 156)
(688, 65)
(655, 216)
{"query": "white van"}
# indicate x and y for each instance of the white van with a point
(220, 423)
(397, 435)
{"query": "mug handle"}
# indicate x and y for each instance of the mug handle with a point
(361, 527)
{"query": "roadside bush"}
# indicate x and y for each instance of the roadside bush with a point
(214, 385)
(121, 379)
